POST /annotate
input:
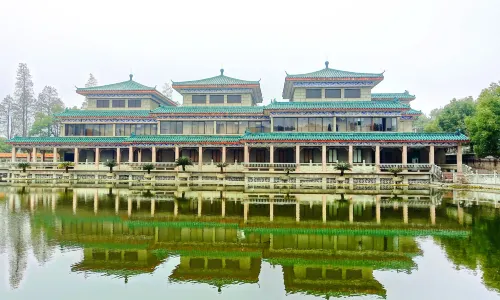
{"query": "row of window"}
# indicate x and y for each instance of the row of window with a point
(107, 129)
(342, 124)
(215, 99)
(207, 127)
(332, 93)
(118, 103)
(235, 127)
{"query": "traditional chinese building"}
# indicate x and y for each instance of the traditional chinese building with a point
(330, 116)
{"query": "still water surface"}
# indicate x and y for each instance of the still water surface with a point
(92, 244)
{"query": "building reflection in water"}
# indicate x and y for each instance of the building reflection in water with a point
(327, 245)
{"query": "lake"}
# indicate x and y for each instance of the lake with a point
(131, 244)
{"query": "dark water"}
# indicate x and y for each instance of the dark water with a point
(89, 244)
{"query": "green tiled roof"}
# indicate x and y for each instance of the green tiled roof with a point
(354, 136)
(103, 113)
(216, 80)
(182, 138)
(391, 96)
(339, 105)
(333, 73)
(68, 139)
(128, 85)
(413, 112)
(209, 110)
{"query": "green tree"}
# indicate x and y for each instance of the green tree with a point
(484, 126)
(453, 115)
(48, 103)
(6, 116)
(183, 161)
(24, 101)
(4, 147)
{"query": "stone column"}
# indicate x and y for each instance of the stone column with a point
(153, 207)
(459, 158)
(34, 158)
(118, 155)
(176, 152)
(223, 208)
(200, 157)
(153, 154)
(223, 154)
(13, 154)
(246, 154)
(377, 158)
(139, 155)
(271, 154)
(54, 155)
(97, 157)
(404, 156)
(334, 129)
(323, 157)
(130, 154)
(117, 204)
(350, 156)
(129, 206)
(297, 157)
(76, 156)
(245, 211)
(431, 154)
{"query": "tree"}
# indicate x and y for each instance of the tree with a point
(48, 103)
(484, 126)
(222, 165)
(4, 147)
(167, 90)
(66, 165)
(453, 115)
(23, 165)
(342, 167)
(6, 116)
(148, 168)
(24, 104)
(90, 83)
(111, 164)
(183, 161)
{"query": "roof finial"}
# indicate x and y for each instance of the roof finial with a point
(326, 64)
(131, 76)
(221, 72)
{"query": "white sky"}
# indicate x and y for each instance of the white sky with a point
(436, 49)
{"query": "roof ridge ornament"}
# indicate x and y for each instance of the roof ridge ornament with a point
(221, 72)
(326, 64)
(131, 76)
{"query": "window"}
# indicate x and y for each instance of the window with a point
(118, 103)
(332, 155)
(220, 127)
(357, 156)
(198, 127)
(341, 124)
(134, 103)
(199, 99)
(89, 129)
(332, 93)
(242, 127)
(171, 127)
(232, 127)
(216, 99)
(209, 127)
(259, 126)
(285, 124)
(352, 93)
(313, 93)
(102, 103)
(384, 124)
(233, 98)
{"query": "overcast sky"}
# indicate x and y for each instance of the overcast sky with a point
(435, 49)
